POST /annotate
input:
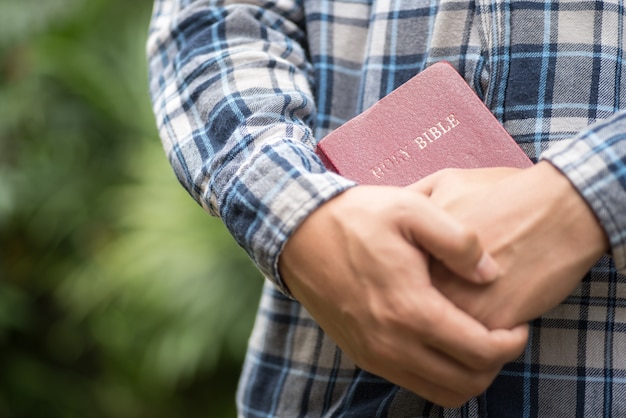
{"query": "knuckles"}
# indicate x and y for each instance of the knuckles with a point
(463, 240)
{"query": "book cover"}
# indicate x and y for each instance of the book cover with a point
(431, 122)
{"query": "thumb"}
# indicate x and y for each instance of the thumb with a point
(446, 239)
(426, 185)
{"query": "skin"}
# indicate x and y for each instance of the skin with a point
(368, 286)
(536, 225)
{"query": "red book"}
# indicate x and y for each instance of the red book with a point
(431, 122)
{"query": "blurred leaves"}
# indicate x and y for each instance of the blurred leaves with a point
(119, 296)
(171, 283)
(23, 19)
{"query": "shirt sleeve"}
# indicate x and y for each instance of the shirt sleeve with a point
(231, 90)
(595, 162)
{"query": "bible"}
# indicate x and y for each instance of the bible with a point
(431, 122)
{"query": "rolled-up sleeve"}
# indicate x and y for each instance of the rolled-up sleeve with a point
(231, 91)
(595, 162)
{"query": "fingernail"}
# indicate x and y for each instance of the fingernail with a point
(487, 268)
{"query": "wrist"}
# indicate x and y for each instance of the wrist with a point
(568, 205)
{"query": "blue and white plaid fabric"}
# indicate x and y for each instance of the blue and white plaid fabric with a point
(242, 90)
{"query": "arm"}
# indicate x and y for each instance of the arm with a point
(595, 163)
(546, 226)
(541, 232)
(230, 90)
(230, 87)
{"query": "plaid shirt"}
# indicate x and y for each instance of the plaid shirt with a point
(243, 90)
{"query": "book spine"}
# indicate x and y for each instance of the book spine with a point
(325, 160)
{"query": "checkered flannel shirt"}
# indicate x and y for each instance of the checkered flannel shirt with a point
(242, 90)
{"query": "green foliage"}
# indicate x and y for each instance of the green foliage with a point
(119, 296)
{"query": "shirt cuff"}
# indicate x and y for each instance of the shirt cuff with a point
(595, 163)
(270, 197)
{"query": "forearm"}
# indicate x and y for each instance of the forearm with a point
(230, 90)
(594, 162)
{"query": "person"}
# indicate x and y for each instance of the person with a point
(408, 302)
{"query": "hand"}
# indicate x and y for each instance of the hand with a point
(357, 266)
(541, 232)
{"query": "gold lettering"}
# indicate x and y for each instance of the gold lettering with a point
(402, 154)
(378, 172)
(443, 129)
(436, 133)
(420, 142)
(453, 121)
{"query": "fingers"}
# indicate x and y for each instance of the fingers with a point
(433, 348)
(457, 247)
(454, 177)
(451, 384)
(461, 337)
(369, 289)
(448, 358)
(441, 394)
(456, 334)
(426, 185)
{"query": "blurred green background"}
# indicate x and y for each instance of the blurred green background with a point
(119, 296)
